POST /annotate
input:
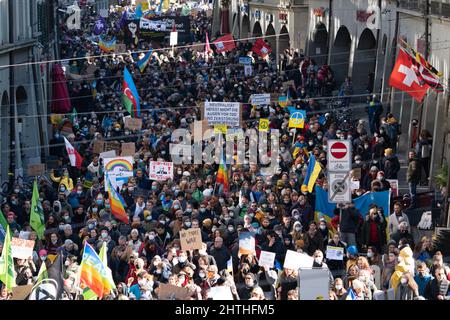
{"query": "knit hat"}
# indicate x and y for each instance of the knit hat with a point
(388, 152)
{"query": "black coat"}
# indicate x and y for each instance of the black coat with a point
(433, 289)
(349, 220)
(221, 256)
(381, 230)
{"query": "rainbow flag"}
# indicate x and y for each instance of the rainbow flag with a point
(93, 272)
(116, 202)
(222, 174)
(107, 46)
(312, 172)
(130, 96)
(142, 64)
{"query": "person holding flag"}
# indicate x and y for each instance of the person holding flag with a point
(7, 273)
(130, 96)
(142, 64)
(116, 202)
(312, 173)
(222, 175)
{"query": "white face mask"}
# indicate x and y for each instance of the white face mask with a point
(182, 259)
(67, 263)
(338, 287)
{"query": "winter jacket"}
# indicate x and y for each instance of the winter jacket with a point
(434, 288)
(413, 172)
(391, 167)
(381, 229)
(349, 220)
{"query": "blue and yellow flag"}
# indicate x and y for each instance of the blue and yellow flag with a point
(142, 64)
(312, 172)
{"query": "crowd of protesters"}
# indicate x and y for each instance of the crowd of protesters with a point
(379, 253)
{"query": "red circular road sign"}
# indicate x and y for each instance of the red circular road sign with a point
(338, 150)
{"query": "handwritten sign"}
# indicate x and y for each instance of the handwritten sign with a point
(113, 145)
(36, 169)
(260, 99)
(128, 149)
(223, 113)
(191, 239)
(133, 124)
(21, 248)
(171, 292)
(267, 259)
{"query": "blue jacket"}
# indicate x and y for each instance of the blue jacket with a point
(422, 282)
(134, 289)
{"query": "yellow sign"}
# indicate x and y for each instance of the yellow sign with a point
(297, 119)
(220, 128)
(264, 125)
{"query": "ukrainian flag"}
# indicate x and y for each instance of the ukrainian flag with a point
(324, 209)
(142, 64)
(312, 172)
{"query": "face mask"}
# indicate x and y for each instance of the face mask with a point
(91, 226)
(202, 210)
(67, 263)
(94, 210)
(188, 210)
(338, 287)
(162, 221)
(358, 161)
(231, 228)
(131, 189)
(79, 192)
(182, 259)
(298, 228)
(188, 224)
(279, 233)
(67, 218)
(202, 275)
(176, 207)
(106, 206)
(311, 143)
(104, 235)
(369, 254)
(54, 241)
(99, 202)
(16, 190)
(318, 260)
(153, 187)
(322, 227)
(151, 237)
(142, 282)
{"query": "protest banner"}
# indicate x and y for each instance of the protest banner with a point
(260, 99)
(191, 239)
(335, 253)
(314, 284)
(160, 170)
(228, 113)
(118, 170)
(36, 169)
(295, 260)
(21, 248)
(246, 243)
(128, 149)
(267, 259)
(133, 124)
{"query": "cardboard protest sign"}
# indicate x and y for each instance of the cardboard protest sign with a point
(335, 253)
(267, 258)
(36, 169)
(246, 243)
(170, 292)
(133, 124)
(356, 173)
(99, 146)
(128, 149)
(191, 239)
(113, 145)
(314, 284)
(295, 260)
(21, 248)
(160, 170)
(21, 292)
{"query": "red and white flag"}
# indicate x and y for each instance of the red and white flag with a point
(74, 156)
(225, 43)
(261, 48)
(404, 77)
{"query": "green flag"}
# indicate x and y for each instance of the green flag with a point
(3, 225)
(7, 264)
(37, 214)
(74, 115)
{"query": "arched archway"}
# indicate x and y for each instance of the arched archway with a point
(245, 29)
(257, 31)
(235, 26)
(21, 100)
(340, 54)
(364, 63)
(5, 143)
(318, 44)
(271, 38)
(284, 40)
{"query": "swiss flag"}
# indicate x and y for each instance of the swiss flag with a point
(404, 77)
(225, 43)
(74, 156)
(261, 48)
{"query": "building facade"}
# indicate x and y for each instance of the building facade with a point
(24, 40)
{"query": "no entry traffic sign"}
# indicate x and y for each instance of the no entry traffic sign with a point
(338, 150)
(339, 155)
